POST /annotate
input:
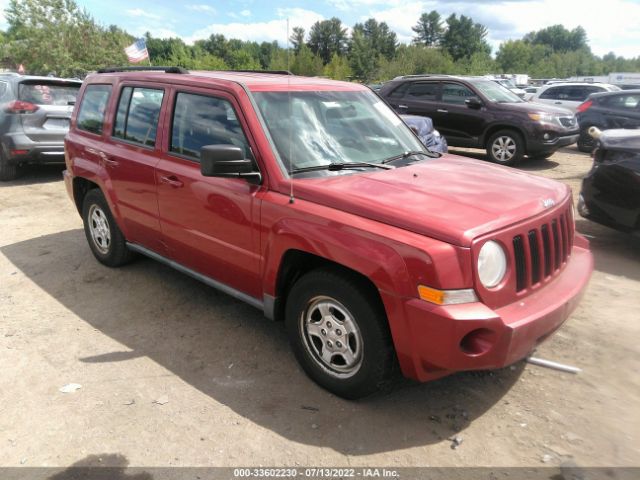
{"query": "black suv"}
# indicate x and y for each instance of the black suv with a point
(34, 119)
(479, 113)
(607, 110)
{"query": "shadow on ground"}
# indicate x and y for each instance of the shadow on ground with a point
(105, 466)
(228, 351)
(33, 174)
(614, 252)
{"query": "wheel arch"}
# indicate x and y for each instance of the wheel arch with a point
(81, 186)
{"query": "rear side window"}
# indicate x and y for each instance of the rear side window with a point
(200, 120)
(423, 91)
(399, 92)
(137, 115)
(93, 107)
(48, 93)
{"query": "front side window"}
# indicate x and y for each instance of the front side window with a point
(93, 107)
(455, 93)
(494, 92)
(312, 129)
(137, 115)
(200, 120)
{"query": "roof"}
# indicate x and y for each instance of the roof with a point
(577, 84)
(254, 81)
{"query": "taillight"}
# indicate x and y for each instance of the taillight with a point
(18, 106)
(583, 107)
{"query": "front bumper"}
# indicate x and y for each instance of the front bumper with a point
(446, 339)
(539, 145)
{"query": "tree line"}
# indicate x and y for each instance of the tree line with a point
(59, 37)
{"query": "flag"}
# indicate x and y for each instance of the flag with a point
(137, 51)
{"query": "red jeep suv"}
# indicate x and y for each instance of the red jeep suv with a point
(311, 200)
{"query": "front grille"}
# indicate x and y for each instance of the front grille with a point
(542, 251)
(568, 122)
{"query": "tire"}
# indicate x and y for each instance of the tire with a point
(103, 235)
(541, 156)
(349, 352)
(8, 171)
(586, 143)
(505, 147)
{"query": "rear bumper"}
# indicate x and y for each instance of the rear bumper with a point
(19, 148)
(474, 337)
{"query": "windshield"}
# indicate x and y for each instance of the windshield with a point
(311, 129)
(507, 83)
(494, 92)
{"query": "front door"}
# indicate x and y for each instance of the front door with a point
(208, 224)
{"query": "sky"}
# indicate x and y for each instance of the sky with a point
(611, 25)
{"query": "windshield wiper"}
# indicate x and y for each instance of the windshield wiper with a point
(405, 155)
(334, 167)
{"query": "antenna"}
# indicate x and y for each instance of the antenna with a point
(291, 198)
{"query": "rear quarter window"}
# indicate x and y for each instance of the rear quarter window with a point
(93, 107)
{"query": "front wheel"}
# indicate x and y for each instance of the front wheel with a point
(505, 147)
(339, 333)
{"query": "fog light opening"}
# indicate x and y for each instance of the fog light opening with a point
(477, 342)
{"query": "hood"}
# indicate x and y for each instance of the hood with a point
(532, 107)
(451, 198)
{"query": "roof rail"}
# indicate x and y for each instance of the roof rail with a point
(271, 72)
(400, 77)
(143, 69)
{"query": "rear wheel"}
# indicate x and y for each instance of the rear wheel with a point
(105, 238)
(505, 147)
(8, 171)
(586, 143)
(339, 333)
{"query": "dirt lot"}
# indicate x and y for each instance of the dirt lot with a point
(175, 373)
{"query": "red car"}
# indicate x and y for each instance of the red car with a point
(311, 200)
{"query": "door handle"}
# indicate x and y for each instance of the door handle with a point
(440, 110)
(107, 161)
(558, 103)
(403, 106)
(171, 180)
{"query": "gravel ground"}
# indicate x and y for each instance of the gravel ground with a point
(175, 373)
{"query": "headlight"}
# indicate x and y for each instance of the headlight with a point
(436, 133)
(541, 117)
(492, 264)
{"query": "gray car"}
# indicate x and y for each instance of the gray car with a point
(34, 119)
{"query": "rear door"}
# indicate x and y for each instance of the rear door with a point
(130, 158)
(420, 98)
(208, 223)
(54, 99)
(460, 124)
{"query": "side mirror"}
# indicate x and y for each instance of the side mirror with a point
(473, 102)
(226, 161)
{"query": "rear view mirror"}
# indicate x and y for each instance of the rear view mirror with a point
(473, 102)
(226, 161)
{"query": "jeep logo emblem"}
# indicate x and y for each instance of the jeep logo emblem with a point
(548, 203)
